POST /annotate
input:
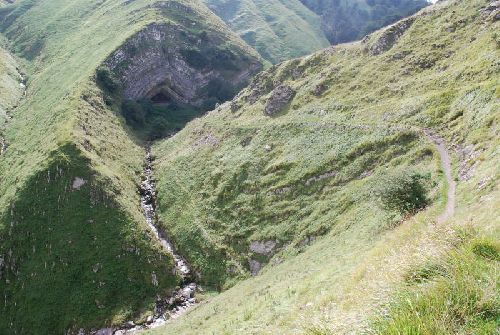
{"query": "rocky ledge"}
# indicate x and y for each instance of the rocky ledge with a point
(166, 62)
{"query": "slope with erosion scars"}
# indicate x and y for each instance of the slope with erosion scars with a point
(12, 90)
(183, 298)
(335, 264)
(71, 227)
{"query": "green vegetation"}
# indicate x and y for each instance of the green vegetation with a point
(289, 197)
(348, 20)
(304, 179)
(155, 121)
(462, 300)
(74, 246)
(10, 89)
(73, 256)
(402, 191)
(281, 30)
(277, 30)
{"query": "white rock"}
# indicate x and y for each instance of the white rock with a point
(78, 183)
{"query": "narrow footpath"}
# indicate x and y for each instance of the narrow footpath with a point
(446, 166)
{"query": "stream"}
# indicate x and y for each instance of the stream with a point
(23, 85)
(182, 299)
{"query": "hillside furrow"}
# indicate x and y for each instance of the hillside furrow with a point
(23, 85)
(183, 298)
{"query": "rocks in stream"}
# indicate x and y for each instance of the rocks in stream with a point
(104, 331)
(3, 145)
(183, 298)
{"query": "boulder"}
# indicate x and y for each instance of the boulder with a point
(390, 36)
(280, 98)
(255, 266)
(263, 247)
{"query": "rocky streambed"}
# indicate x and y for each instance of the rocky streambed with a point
(184, 298)
(23, 86)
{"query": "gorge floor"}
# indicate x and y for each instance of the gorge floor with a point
(183, 298)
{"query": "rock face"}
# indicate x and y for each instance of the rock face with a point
(390, 36)
(492, 11)
(263, 247)
(78, 183)
(346, 21)
(280, 98)
(167, 63)
(255, 267)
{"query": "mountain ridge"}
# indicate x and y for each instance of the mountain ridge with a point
(318, 200)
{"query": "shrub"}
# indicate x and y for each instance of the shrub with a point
(461, 301)
(106, 80)
(425, 272)
(160, 127)
(487, 249)
(195, 58)
(133, 113)
(402, 191)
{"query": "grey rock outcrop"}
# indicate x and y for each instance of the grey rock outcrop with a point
(167, 62)
(492, 11)
(390, 36)
(255, 266)
(263, 247)
(281, 96)
(78, 183)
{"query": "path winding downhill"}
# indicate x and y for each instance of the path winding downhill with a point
(183, 299)
(446, 166)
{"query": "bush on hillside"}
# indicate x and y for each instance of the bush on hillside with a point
(402, 191)
(462, 300)
(134, 113)
(106, 80)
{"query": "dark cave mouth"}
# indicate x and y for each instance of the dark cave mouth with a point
(158, 117)
(164, 110)
(161, 113)
(161, 98)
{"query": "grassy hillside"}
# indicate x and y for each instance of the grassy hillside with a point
(281, 30)
(75, 251)
(10, 88)
(277, 30)
(303, 190)
(347, 20)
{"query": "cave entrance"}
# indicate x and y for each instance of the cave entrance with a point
(159, 116)
(161, 98)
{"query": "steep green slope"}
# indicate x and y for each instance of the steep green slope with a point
(277, 30)
(348, 20)
(281, 30)
(285, 174)
(11, 91)
(75, 251)
(10, 85)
